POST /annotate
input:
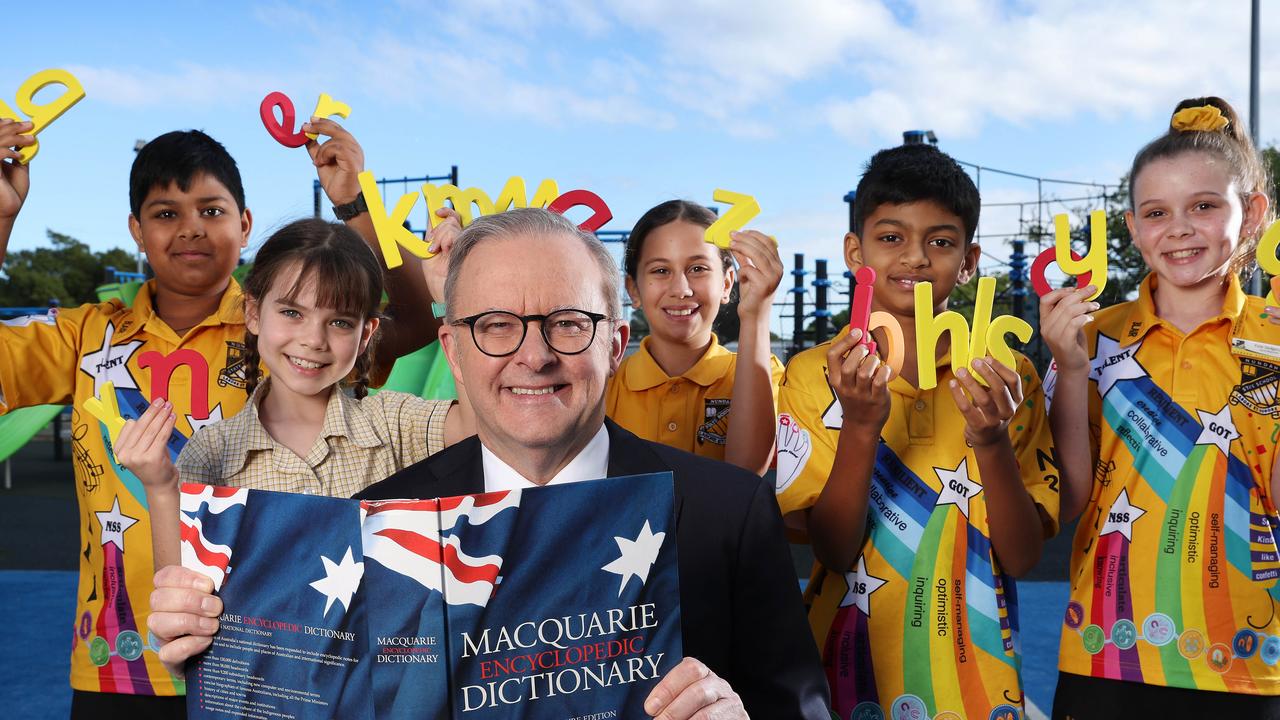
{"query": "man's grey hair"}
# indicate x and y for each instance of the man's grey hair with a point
(532, 223)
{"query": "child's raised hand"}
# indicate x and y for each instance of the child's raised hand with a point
(987, 410)
(338, 160)
(860, 381)
(759, 271)
(15, 178)
(1063, 315)
(142, 448)
(441, 241)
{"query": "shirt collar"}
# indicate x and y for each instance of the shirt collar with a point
(230, 311)
(592, 463)
(1142, 312)
(644, 373)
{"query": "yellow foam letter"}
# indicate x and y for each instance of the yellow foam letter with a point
(929, 329)
(895, 354)
(328, 107)
(996, 344)
(462, 201)
(513, 194)
(1267, 259)
(1094, 261)
(42, 115)
(742, 209)
(107, 410)
(390, 229)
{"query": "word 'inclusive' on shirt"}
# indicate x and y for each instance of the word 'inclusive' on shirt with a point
(282, 128)
(1268, 261)
(41, 116)
(1091, 268)
(393, 234)
(986, 336)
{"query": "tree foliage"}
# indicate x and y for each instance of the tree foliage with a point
(67, 271)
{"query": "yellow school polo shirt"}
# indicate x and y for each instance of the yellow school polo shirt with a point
(65, 359)
(1174, 565)
(925, 623)
(689, 412)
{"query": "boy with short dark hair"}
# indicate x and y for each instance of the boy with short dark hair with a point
(188, 215)
(919, 506)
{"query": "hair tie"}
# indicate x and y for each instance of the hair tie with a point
(1205, 118)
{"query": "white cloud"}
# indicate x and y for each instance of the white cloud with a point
(186, 84)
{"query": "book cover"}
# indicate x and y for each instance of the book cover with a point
(556, 602)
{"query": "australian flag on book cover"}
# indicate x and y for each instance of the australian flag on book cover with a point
(552, 602)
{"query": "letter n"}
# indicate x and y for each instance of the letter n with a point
(162, 367)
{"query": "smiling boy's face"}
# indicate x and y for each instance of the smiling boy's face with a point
(192, 237)
(910, 243)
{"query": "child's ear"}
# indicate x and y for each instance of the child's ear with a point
(730, 277)
(1128, 223)
(853, 252)
(969, 268)
(633, 291)
(135, 230)
(252, 319)
(246, 227)
(370, 327)
(1255, 211)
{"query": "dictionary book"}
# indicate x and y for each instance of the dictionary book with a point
(557, 602)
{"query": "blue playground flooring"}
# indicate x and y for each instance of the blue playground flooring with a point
(38, 606)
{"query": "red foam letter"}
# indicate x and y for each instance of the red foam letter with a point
(1042, 262)
(162, 367)
(574, 198)
(283, 132)
(860, 309)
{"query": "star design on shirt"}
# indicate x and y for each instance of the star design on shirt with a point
(110, 363)
(861, 585)
(1121, 516)
(1219, 429)
(114, 524)
(340, 581)
(637, 556)
(1111, 364)
(957, 488)
(215, 415)
(833, 416)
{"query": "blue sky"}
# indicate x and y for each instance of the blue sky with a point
(639, 102)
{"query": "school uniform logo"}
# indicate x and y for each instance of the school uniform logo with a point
(233, 372)
(1259, 382)
(715, 421)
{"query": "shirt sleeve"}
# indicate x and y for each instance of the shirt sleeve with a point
(39, 358)
(416, 426)
(805, 447)
(1033, 444)
(201, 459)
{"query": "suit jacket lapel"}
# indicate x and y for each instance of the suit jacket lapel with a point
(459, 470)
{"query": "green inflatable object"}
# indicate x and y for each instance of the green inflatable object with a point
(425, 373)
(18, 427)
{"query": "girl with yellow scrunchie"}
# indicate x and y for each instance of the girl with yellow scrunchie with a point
(1164, 414)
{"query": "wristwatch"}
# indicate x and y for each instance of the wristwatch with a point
(349, 210)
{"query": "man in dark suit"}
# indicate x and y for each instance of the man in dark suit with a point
(533, 333)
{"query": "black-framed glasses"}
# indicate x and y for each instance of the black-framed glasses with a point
(498, 333)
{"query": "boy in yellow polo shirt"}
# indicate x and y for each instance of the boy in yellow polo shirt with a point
(921, 504)
(188, 214)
